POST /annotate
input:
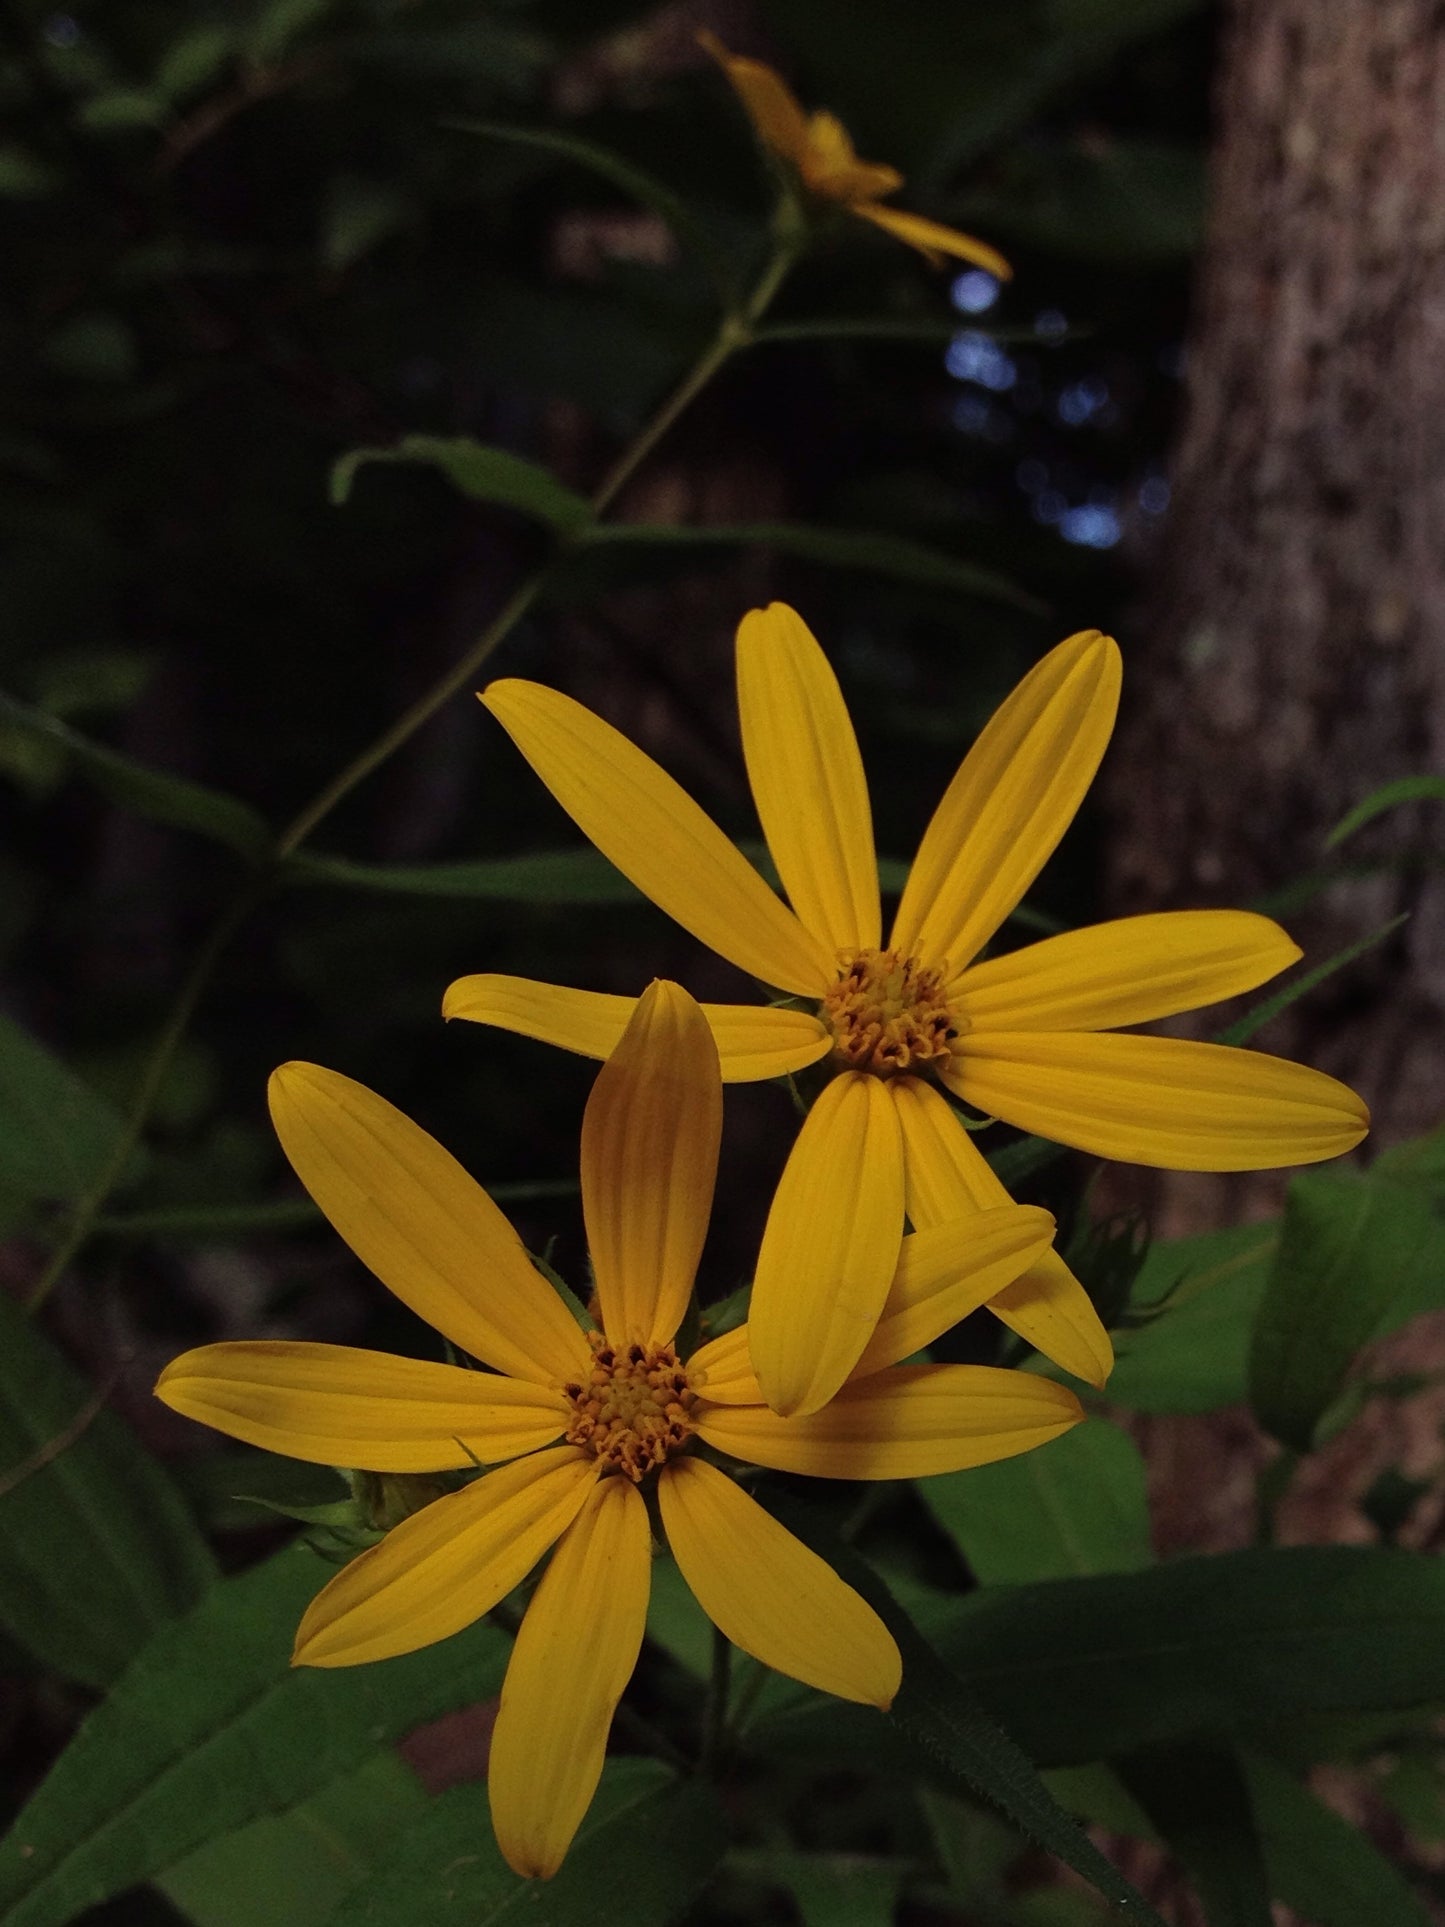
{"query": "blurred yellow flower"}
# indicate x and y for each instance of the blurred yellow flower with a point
(1030, 1037)
(583, 1420)
(817, 146)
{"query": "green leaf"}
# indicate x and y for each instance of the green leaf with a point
(1256, 1019)
(293, 1869)
(482, 474)
(876, 551)
(1199, 1801)
(829, 1889)
(643, 1855)
(1318, 1863)
(209, 1729)
(97, 1548)
(56, 1135)
(151, 793)
(1359, 1254)
(1076, 1505)
(937, 1713)
(1192, 1353)
(1215, 1647)
(634, 181)
(550, 876)
(1406, 789)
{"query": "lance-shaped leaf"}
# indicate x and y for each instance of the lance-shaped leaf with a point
(56, 1135)
(481, 473)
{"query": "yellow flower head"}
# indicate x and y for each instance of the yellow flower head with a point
(577, 1423)
(1032, 1037)
(818, 148)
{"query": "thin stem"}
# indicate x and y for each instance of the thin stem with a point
(734, 333)
(715, 1721)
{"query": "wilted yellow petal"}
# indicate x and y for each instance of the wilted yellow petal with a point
(830, 1245)
(771, 107)
(770, 1594)
(1012, 799)
(429, 1232)
(649, 1161)
(753, 1040)
(447, 1564)
(946, 1176)
(650, 829)
(931, 237)
(1127, 972)
(370, 1411)
(574, 1654)
(807, 778)
(904, 1423)
(1161, 1101)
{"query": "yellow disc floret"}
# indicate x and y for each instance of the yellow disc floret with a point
(634, 1408)
(889, 1014)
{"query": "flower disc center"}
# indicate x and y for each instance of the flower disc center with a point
(888, 1013)
(633, 1409)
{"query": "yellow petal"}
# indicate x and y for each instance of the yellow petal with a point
(429, 1232)
(339, 1405)
(447, 1564)
(649, 1162)
(771, 1595)
(771, 107)
(947, 1175)
(1012, 799)
(931, 237)
(652, 831)
(807, 778)
(574, 1654)
(830, 165)
(1127, 972)
(1162, 1101)
(949, 1270)
(753, 1040)
(722, 1370)
(830, 1245)
(905, 1423)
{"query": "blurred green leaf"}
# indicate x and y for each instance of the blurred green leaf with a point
(1222, 1646)
(92, 347)
(634, 181)
(1318, 1863)
(56, 1135)
(97, 1548)
(209, 1729)
(1262, 1014)
(937, 1713)
(293, 1869)
(1192, 1355)
(1076, 1505)
(152, 793)
(194, 59)
(1359, 1254)
(1131, 202)
(481, 473)
(550, 876)
(676, 1621)
(276, 24)
(358, 214)
(122, 109)
(1407, 789)
(895, 556)
(23, 177)
(1199, 1801)
(829, 1889)
(642, 1855)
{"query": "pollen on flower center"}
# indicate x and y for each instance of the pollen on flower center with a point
(888, 1013)
(634, 1408)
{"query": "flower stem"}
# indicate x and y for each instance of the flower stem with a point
(715, 1721)
(734, 332)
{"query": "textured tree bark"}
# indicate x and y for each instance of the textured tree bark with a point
(1294, 652)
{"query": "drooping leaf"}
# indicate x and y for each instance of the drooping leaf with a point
(875, 551)
(551, 876)
(1253, 1020)
(1201, 1296)
(481, 473)
(1077, 1505)
(97, 1548)
(211, 1728)
(1359, 1253)
(1198, 1799)
(56, 1135)
(642, 1855)
(1319, 1864)
(1389, 796)
(152, 793)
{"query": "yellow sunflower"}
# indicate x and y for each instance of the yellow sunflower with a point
(1031, 1037)
(818, 148)
(579, 1423)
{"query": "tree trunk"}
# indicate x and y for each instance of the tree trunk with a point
(1294, 658)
